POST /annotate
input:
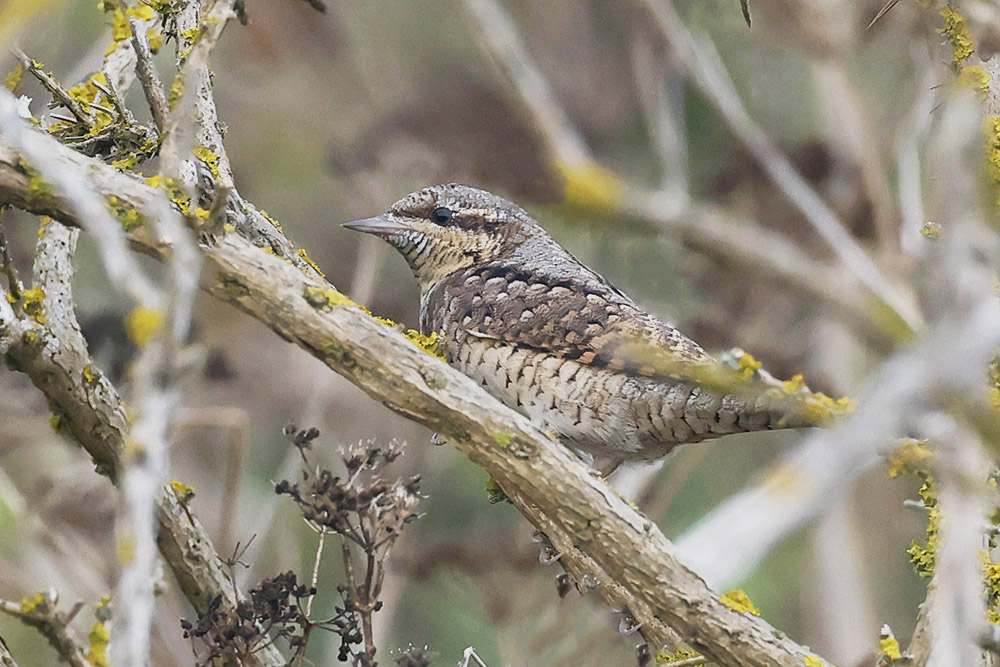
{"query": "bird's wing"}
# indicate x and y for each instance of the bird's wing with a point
(579, 316)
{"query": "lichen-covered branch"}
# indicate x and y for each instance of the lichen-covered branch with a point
(45, 343)
(42, 613)
(547, 483)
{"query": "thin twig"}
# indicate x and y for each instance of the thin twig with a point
(54, 626)
(6, 263)
(496, 27)
(146, 70)
(54, 87)
(886, 8)
(315, 573)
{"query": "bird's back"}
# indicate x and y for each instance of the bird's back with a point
(556, 341)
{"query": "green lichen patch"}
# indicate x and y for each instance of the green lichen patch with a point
(128, 216)
(233, 289)
(494, 492)
(681, 655)
(502, 438)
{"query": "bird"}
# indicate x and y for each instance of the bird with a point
(553, 339)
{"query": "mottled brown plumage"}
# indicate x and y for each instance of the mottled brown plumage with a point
(552, 338)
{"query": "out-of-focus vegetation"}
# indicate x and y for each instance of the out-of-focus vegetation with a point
(331, 117)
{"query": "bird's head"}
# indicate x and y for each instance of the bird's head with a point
(445, 228)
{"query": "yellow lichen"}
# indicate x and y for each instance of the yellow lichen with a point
(14, 77)
(821, 409)
(682, 654)
(740, 602)
(141, 324)
(747, 366)
(58, 423)
(99, 636)
(31, 604)
(308, 260)
(494, 491)
(319, 297)
(976, 78)
(591, 186)
(155, 39)
(210, 159)
(932, 230)
(176, 91)
(202, 213)
(119, 25)
(126, 162)
(183, 492)
(141, 11)
(228, 228)
(957, 31)
(275, 223)
(91, 374)
(812, 661)
(38, 189)
(174, 192)
(125, 550)
(31, 302)
(191, 35)
(87, 92)
(912, 455)
(794, 384)
(924, 557)
(889, 647)
(429, 344)
(992, 130)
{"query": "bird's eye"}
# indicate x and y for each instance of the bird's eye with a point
(441, 215)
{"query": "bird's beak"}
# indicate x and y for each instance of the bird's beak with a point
(380, 225)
